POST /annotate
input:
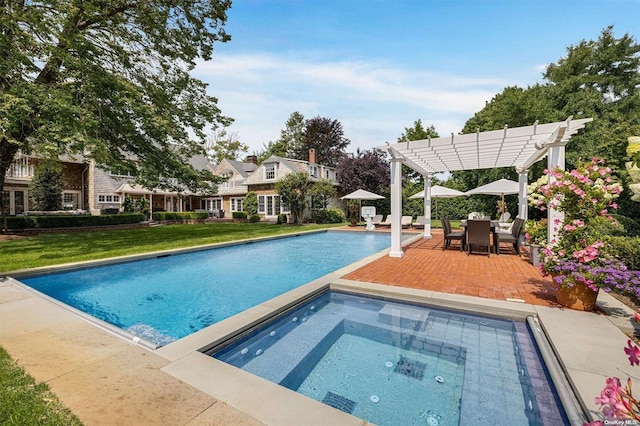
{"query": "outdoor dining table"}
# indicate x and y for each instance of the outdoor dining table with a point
(494, 225)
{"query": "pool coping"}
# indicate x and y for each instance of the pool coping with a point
(585, 361)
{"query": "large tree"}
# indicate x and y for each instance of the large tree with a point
(293, 189)
(109, 80)
(416, 133)
(324, 135)
(224, 145)
(290, 139)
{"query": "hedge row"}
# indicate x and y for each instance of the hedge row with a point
(71, 221)
(627, 249)
(179, 215)
(330, 216)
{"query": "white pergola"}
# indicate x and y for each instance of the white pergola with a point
(518, 147)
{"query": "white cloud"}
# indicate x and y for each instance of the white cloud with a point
(373, 101)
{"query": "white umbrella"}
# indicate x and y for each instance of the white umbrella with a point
(361, 194)
(438, 191)
(500, 187)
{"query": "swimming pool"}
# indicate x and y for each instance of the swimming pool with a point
(165, 298)
(396, 363)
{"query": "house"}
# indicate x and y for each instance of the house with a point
(263, 180)
(89, 187)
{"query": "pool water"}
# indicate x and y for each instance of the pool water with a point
(393, 363)
(166, 298)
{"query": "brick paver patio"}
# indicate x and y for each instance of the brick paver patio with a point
(426, 266)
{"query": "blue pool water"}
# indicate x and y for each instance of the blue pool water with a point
(166, 298)
(392, 363)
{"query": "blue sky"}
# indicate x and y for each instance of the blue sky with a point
(379, 65)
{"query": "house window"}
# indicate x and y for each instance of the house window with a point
(237, 204)
(212, 204)
(71, 200)
(108, 198)
(313, 171)
(326, 174)
(270, 171)
(269, 205)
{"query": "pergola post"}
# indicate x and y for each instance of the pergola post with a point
(396, 208)
(555, 159)
(427, 207)
(523, 201)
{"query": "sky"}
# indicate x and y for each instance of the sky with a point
(377, 66)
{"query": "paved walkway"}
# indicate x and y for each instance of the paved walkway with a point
(426, 266)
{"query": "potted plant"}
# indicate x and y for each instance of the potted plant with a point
(577, 258)
(535, 234)
(353, 212)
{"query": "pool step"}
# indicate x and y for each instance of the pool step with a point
(415, 319)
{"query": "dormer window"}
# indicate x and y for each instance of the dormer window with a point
(270, 171)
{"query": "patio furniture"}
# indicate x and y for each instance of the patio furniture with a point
(376, 220)
(405, 221)
(386, 221)
(478, 236)
(512, 237)
(449, 235)
(419, 223)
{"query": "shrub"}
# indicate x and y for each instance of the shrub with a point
(251, 203)
(71, 221)
(631, 227)
(179, 215)
(330, 216)
(282, 219)
(239, 215)
(627, 249)
(254, 218)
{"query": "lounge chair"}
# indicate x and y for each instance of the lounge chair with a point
(449, 235)
(419, 223)
(376, 219)
(406, 221)
(503, 221)
(386, 221)
(512, 236)
(478, 236)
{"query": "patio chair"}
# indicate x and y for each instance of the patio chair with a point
(478, 236)
(376, 220)
(405, 221)
(386, 221)
(419, 223)
(512, 236)
(449, 235)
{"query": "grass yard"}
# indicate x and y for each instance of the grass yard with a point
(25, 402)
(54, 249)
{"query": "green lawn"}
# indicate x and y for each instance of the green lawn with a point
(55, 249)
(25, 402)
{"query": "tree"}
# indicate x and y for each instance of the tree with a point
(326, 136)
(223, 145)
(290, 139)
(45, 188)
(368, 170)
(416, 133)
(293, 189)
(251, 203)
(109, 80)
(321, 192)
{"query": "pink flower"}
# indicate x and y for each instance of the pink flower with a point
(632, 351)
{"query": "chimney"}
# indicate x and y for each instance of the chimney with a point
(252, 159)
(312, 156)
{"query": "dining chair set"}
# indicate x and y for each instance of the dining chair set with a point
(477, 234)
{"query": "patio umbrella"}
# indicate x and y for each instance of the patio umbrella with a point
(500, 187)
(438, 191)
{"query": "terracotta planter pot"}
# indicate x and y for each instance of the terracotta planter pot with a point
(579, 297)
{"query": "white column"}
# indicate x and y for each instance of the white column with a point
(427, 207)
(523, 202)
(396, 208)
(555, 159)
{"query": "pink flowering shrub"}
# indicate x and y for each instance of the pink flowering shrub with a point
(587, 196)
(616, 402)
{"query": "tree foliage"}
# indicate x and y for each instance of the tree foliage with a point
(291, 138)
(416, 133)
(251, 203)
(321, 192)
(326, 136)
(45, 189)
(109, 80)
(293, 189)
(596, 78)
(224, 145)
(368, 170)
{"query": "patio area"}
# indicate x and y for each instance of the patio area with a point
(426, 266)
